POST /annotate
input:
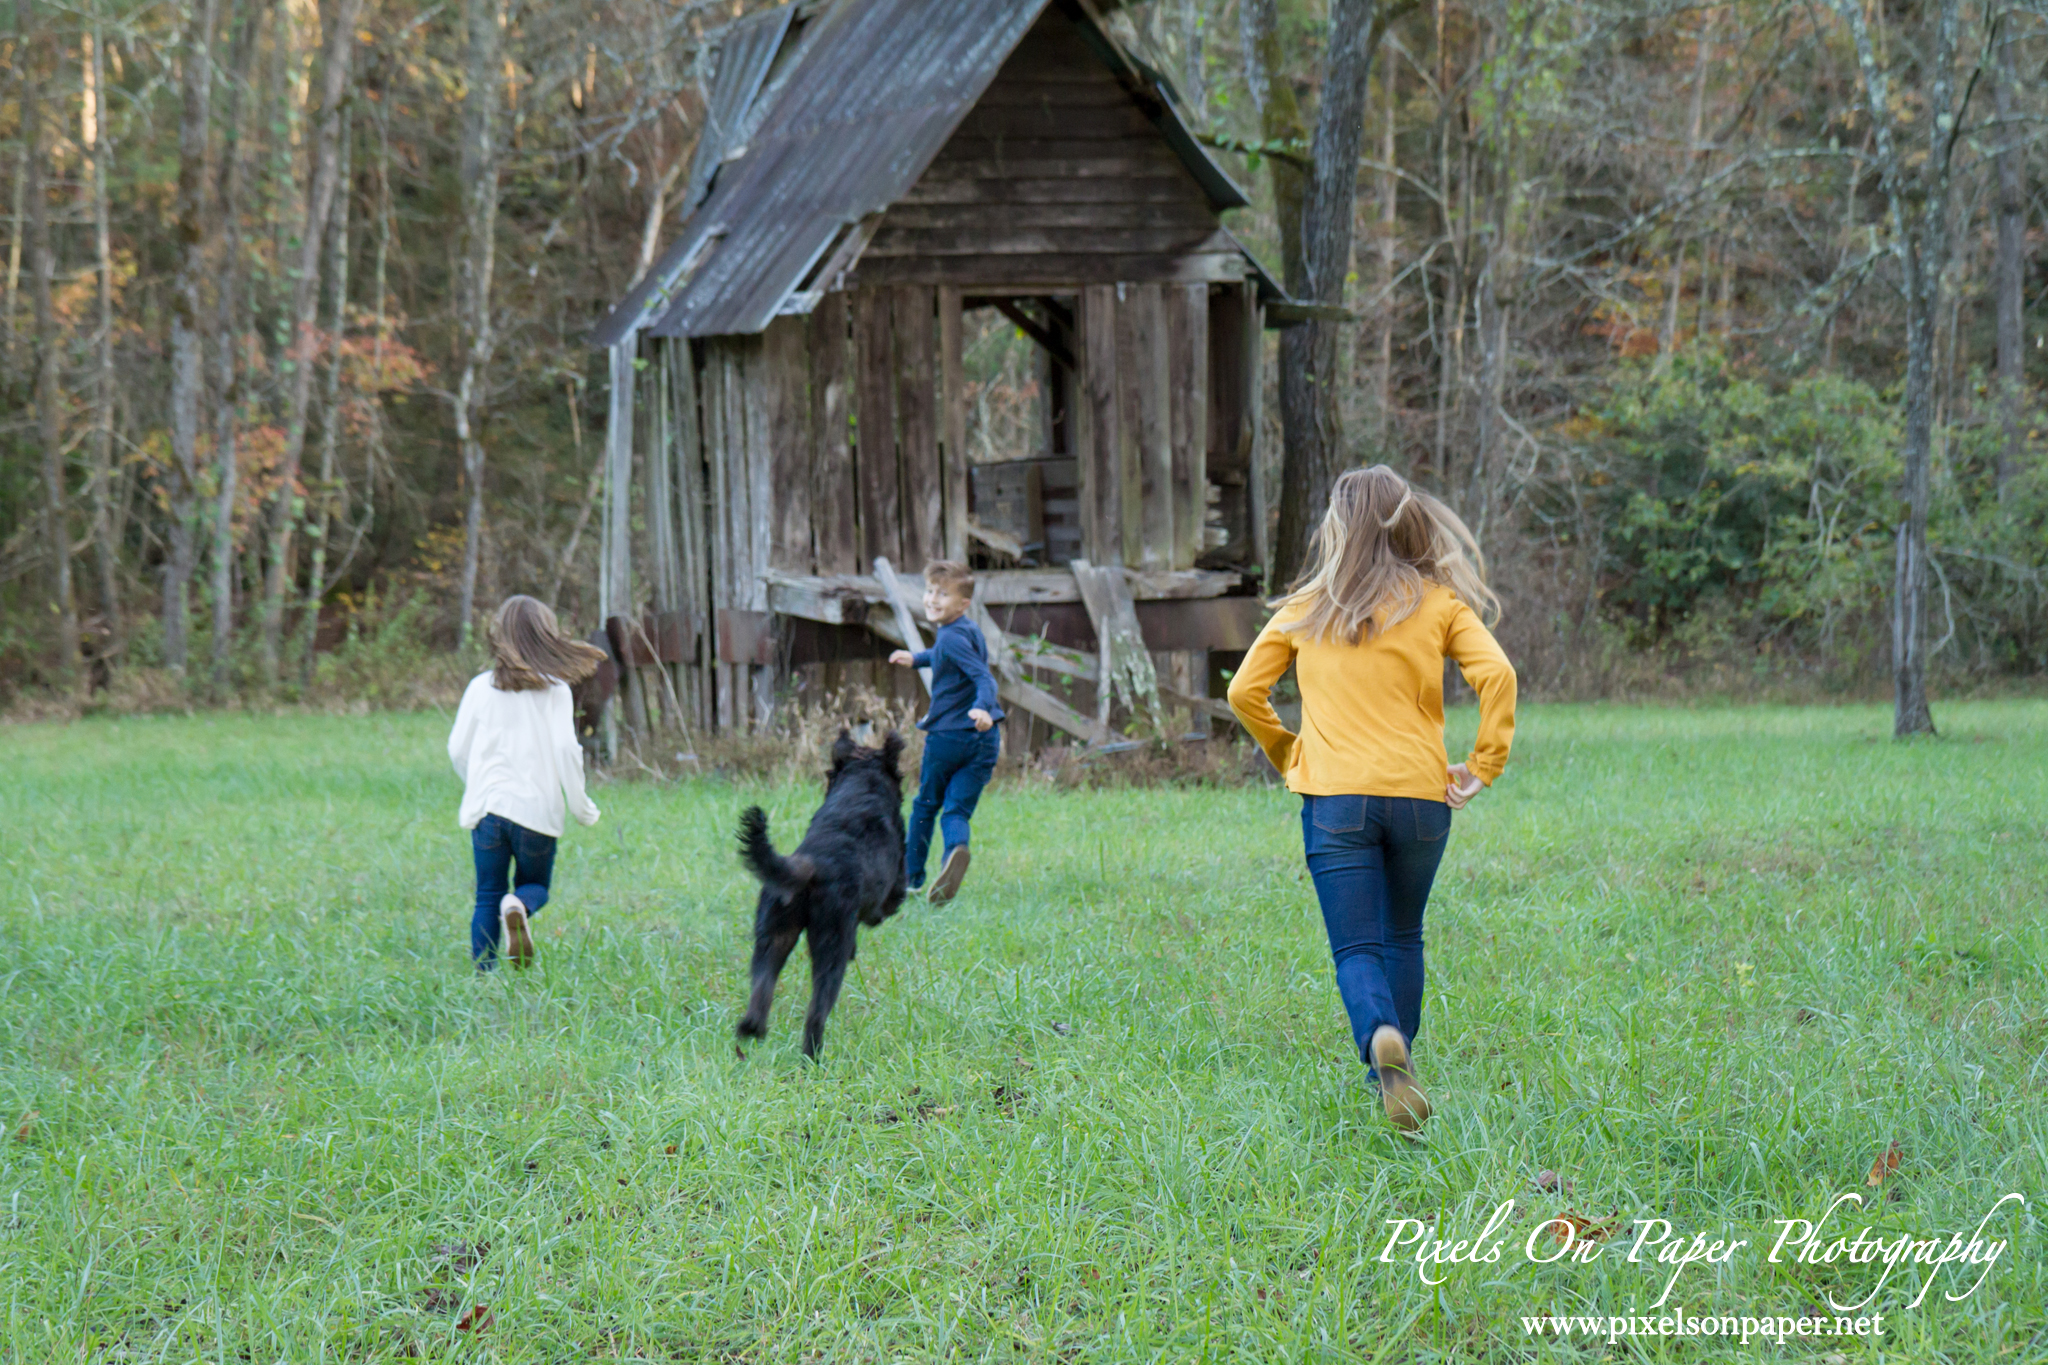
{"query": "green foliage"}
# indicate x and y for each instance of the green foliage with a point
(1701, 965)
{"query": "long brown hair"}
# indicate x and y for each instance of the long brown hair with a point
(1382, 545)
(532, 651)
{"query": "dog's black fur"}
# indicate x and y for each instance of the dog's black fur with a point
(847, 872)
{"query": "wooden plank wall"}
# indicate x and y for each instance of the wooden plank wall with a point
(1142, 446)
(1055, 177)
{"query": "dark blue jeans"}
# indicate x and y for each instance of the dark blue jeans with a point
(500, 847)
(957, 765)
(1373, 859)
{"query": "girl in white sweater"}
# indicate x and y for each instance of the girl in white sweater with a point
(515, 746)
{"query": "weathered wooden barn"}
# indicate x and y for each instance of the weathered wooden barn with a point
(788, 420)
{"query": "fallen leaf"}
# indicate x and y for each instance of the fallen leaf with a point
(669, 1150)
(477, 1319)
(1569, 1228)
(1546, 1180)
(28, 1125)
(1884, 1165)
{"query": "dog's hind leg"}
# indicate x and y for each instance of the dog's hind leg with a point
(829, 955)
(771, 950)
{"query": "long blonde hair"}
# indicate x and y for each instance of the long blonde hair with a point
(532, 651)
(1382, 545)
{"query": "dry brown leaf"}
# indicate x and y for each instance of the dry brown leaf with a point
(1884, 1166)
(669, 1150)
(1570, 1227)
(28, 1125)
(1546, 1180)
(477, 1319)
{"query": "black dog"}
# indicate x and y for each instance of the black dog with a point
(847, 872)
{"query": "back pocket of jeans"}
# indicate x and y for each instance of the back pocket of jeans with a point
(1432, 820)
(1338, 814)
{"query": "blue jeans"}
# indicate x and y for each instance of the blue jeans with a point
(957, 765)
(499, 845)
(1373, 859)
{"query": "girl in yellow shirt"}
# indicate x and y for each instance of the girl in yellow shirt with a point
(1394, 586)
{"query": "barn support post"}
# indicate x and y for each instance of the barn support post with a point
(953, 407)
(692, 674)
(615, 577)
(1255, 420)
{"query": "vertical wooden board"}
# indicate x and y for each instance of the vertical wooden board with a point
(693, 530)
(1140, 420)
(1187, 325)
(1253, 339)
(665, 563)
(953, 411)
(785, 364)
(1101, 476)
(615, 580)
(1153, 331)
(915, 321)
(758, 384)
(875, 430)
(718, 566)
(835, 523)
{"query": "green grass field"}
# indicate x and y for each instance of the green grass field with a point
(1699, 966)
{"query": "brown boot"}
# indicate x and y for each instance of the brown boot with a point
(512, 931)
(1407, 1106)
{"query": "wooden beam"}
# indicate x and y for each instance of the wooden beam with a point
(906, 620)
(1034, 329)
(1126, 663)
(1026, 696)
(1011, 587)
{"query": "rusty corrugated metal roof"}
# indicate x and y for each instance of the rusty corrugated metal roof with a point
(873, 90)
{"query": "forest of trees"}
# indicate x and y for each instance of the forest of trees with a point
(1722, 323)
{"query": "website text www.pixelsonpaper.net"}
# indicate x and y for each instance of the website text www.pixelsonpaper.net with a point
(1684, 1324)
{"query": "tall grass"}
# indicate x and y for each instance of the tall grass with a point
(1702, 966)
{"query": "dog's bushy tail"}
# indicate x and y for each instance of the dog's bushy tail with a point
(786, 875)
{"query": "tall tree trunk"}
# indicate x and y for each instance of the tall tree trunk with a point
(1918, 199)
(188, 378)
(1390, 190)
(227, 327)
(1667, 331)
(2009, 276)
(93, 115)
(479, 256)
(32, 58)
(330, 410)
(337, 51)
(1285, 132)
(10, 301)
(1311, 415)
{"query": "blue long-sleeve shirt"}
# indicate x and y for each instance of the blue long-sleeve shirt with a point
(961, 681)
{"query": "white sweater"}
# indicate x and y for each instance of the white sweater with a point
(517, 754)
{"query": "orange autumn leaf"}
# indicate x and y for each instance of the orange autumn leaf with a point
(1570, 1227)
(1884, 1165)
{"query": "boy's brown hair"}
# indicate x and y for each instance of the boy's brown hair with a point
(952, 575)
(531, 650)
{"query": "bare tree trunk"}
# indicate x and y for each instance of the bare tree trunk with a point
(2008, 281)
(188, 378)
(1667, 332)
(1918, 197)
(228, 397)
(479, 257)
(1390, 189)
(93, 115)
(1311, 415)
(330, 409)
(12, 299)
(339, 48)
(49, 349)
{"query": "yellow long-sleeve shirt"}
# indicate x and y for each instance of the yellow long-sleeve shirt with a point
(1372, 714)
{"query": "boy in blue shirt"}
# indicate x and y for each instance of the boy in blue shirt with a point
(961, 743)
